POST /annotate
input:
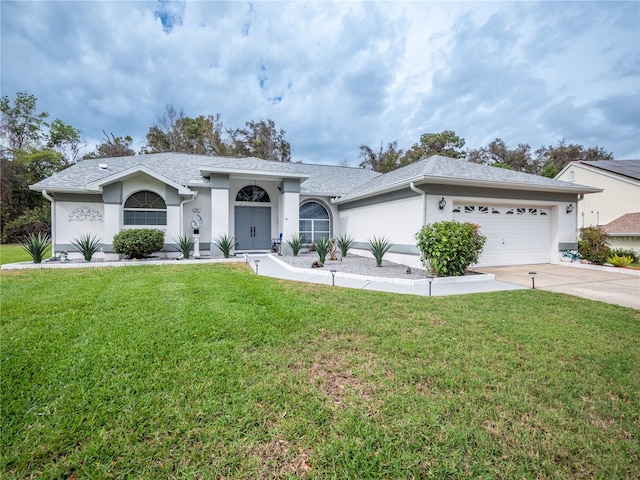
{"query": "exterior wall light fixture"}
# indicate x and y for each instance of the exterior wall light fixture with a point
(570, 208)
(442, 203)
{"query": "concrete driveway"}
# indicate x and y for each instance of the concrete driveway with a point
(607, 284)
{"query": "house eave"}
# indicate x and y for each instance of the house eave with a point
(98, 185)
(244, 173)
(79, 191)
(438, 180)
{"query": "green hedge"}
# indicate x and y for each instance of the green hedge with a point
(138, 243)
(448, 248)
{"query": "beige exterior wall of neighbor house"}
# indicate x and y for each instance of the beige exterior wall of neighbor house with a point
(625, 243)
(620, 195)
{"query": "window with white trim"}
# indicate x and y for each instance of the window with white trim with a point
(145, 208)
(314, 222)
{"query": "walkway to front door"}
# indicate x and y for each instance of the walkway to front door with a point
(253, 228)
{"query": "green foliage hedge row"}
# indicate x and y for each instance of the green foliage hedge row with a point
(448, 248)
(138, 243)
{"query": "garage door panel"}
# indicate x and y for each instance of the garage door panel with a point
(515, 235)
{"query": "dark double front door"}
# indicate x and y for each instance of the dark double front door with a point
(253, 228)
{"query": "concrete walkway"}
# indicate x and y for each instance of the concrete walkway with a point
(607, 284)
(271, 266)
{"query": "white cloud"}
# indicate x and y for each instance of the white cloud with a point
(336, 75)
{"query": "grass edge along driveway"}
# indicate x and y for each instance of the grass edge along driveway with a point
(209, 371)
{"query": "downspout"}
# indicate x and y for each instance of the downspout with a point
(412, 186)
(580, 198)
(182, 204)
(53, 221)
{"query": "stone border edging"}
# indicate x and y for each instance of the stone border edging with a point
(602, 268)
(481, 277)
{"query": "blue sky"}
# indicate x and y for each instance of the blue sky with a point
(335, 75)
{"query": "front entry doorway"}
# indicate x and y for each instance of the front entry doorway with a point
(253, 228)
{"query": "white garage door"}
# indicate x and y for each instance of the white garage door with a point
(515, 235)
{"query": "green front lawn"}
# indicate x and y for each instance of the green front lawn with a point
(12, 253)
(209, 371)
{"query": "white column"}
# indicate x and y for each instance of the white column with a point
(219, 216)
(111, 221)
(290, 216)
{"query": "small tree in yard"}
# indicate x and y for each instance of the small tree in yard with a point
(138, 243)
(593, 245)
(448, 248)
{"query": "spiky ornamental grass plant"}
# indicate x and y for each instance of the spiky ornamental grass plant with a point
(620, 261)
(185, 245)
(225, 243)
(378, 247)
(36, 245)
(87, 245)
(345, 242)
(322, 247)
(294, 242)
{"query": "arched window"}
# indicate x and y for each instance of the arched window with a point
(253, 193)
(145, 208)
(314, 222)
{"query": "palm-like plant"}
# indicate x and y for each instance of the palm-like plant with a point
(36, 245)
(185, 245)
(322, 247)
(345, 241)
(87, 245)
(378, 247)
(225, 243)
(294, 242)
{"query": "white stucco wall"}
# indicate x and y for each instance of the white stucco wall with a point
(398, 220)
(78, 218)
(289, 214)
(619, 196)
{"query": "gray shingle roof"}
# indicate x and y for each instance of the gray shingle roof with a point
(438, 169)
(185, 168)
(326, 180)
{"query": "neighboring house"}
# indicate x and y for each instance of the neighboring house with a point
(624, 232)
(526, 218)
(620, 184)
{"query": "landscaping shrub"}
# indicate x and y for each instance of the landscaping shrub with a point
(449, 247)
(345, 241)
(36, 245)
(87, 245)
(621, 252)
(294, 242)
(593, 245)
(378, 247)
(322, 247)
(225, 243)
(185, 244)
(31, 222)
(138, 243)
(620, 261)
